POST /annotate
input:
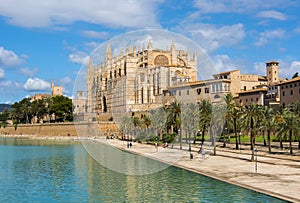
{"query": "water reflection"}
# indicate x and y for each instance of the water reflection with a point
(66, 173)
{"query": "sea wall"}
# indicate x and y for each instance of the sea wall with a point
(62, 129)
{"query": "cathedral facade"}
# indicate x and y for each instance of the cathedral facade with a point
(136, 80)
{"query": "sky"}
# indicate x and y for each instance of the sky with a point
(49, 40)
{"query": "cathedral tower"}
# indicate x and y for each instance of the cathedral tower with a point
(272, 69)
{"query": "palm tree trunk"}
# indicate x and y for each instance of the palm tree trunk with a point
(269, 140)
(281, 144)
(202, 138)
(290, 141)
(235, 133)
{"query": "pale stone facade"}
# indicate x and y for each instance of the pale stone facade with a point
(135, 81)
(79, 104)
(289, 91)
(56, 90)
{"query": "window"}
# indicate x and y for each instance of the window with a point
(245, 88)
(251, 99)
(257, 99)
(207, 90)
(292, 92)
(291, 85)
(295, 85)
(199, 91)
(246, 100)
(283, 93)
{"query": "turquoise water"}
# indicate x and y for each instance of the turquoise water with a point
(49, 171)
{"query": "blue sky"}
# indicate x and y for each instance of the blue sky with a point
(47, 40)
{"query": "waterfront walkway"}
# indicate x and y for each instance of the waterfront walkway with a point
(277, 175)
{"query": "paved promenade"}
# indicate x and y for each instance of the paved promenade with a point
(277, 175)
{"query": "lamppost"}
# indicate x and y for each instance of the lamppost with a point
(255, 150)
(180, 141)
(190, 148)
(240, 140)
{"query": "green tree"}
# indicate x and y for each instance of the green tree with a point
(229, 106)
(289, 128)
(296, 109)
(61, 107)
(205, 110)
(268, 123)
(3, 118)
(39, 109)
(22, 111)
(250, 115)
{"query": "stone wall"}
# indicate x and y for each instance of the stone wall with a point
(63, 129)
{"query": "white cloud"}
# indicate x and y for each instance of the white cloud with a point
(272, 14)
(268, 35)
(95, 34)
(118, 13)
(224, 63)
(9, 84)
(66, 80)
(297, 30)
(28, 72)
(79, 57)
(260, 68)
(210, 37)
(8, 58)
(287, 70)
(2, 74)
(36, 84)
(237, 6)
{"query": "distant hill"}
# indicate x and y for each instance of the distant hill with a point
(4, 106)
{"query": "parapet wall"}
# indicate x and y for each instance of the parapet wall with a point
(62, 129)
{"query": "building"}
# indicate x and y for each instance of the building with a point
(55, 91)
(79, 104)
(135, 80)
(289, 91)
(141, 80)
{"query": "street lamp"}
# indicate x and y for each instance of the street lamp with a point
(255, 150)
(180, 143)
(190, 148)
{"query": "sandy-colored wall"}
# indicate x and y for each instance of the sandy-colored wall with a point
(61, 129)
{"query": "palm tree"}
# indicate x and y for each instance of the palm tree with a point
(268, 123)
(190, 119)
(229, 105)
(296, 110)
(279, 119)
(250, 115)
(289, 127)
(158, 119)
(217, 122)
(126, 125)
(174, 115)
(205, 109)
(235, 114)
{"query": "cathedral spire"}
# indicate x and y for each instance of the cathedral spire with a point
(149, 47)
(108, 54)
